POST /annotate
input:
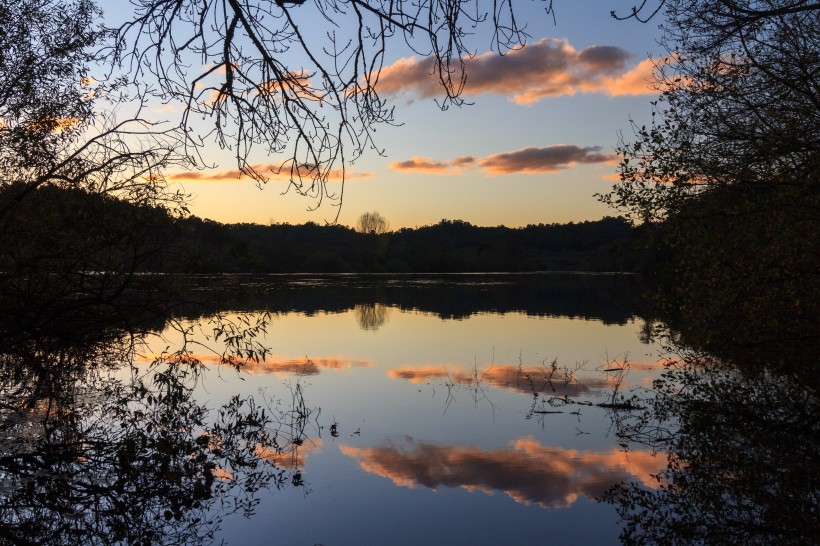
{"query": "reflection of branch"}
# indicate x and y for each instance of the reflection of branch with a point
(94, 447)
(95, 456)
(738, 445)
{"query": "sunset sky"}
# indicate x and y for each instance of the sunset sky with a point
(534, 146)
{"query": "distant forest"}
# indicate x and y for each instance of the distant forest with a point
(195, 245)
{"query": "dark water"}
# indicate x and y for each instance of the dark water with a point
(450, 409)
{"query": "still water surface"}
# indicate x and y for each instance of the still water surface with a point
(443, 410)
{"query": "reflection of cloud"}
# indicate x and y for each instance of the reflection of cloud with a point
(627, 365)
(547, 68)
(533, 159)
(526, 379)
(222, 474)
(269, 170)
(526, 471)
(295, 458)
(271, 364)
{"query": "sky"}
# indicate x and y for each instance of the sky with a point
(534, 146)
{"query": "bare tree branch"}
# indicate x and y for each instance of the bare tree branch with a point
(299, 79)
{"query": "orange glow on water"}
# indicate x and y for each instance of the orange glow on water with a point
(271, 364)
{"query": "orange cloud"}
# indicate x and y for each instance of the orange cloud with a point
(167, 108)
(271, 364)
(217, 98)
(424, 164)
(547, 68)
(533, 159)
(294, 85)
(272, 171)
(527, 471)
(641, 80)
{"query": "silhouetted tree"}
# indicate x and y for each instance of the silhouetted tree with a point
(729, 166)
(372, 222)
(739, 109)
(58, 124)
(59, 132)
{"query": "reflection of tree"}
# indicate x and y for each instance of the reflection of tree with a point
(371, 316)
(95, 455)
(743, 463)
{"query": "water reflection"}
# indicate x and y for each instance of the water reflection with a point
(543, 379)
(271, 364)
(526, 471)
(371, 316)
(743, 464)
(107, 440)
(608, 298)
(95, 451)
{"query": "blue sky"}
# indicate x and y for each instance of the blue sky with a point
(534, 146)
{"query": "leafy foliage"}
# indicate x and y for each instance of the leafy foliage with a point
(728, 170)
(738, 110)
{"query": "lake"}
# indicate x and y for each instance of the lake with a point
(400, 409)
(453, 409)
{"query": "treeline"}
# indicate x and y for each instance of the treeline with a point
(129, 236)
(449, 246)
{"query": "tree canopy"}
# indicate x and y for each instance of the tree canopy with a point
(739, 109)
(372, 222)
(730, 167)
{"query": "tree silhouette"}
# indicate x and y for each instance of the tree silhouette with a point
(373, 223)
(729, 167)
(739, 108)
(59, 125)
